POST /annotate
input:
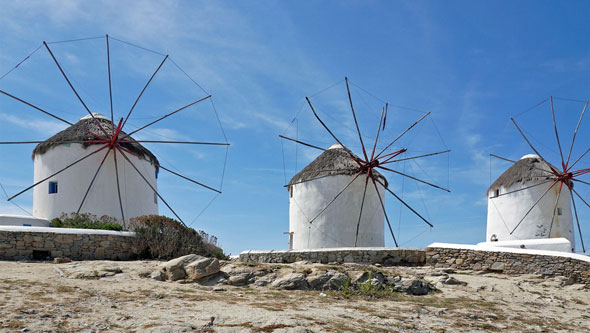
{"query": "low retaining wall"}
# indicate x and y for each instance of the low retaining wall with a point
(374, 255)
(509, 261)
(77, 244)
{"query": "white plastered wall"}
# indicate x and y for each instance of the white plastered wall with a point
(136, 195)
(506, 211)
(336, 226)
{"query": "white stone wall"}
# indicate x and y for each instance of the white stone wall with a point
(335, 227)
(505, 212)
(137, 197)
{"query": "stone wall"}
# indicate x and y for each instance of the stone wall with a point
(77, 244)
(380, 255)
(512, 261)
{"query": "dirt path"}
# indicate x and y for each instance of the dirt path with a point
(36, 297)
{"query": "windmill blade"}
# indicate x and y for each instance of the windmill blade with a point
(321, 122)
(522, 189)
(35, 107)
(358, 224)
(378, 131)
(569, 155)
(57, 173)
(405, 204)
(384, 212)
(555, 209)
(302, 143)
(579, 158)
(418, 156)
(93, 179)
(578, 223)
(74, 90)
(109, 74)
(414, 178)
(334, 199)
(165, 116)
(180, 142)
(37, 142)
(151, 186)
(556, 134)
(118, 185)
(579, 196)
(403, 133)
(534, 205)
(190, 180)
(511, 161)
(580, 181)
(531, 145)
(143, 90)
(355, 120)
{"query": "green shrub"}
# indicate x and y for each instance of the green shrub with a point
(160, 237)
(86, 221)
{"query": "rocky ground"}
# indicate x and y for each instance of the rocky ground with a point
(95, 296)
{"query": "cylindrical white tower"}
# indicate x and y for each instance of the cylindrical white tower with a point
(515, 192)
(64, 192)
(317, 219)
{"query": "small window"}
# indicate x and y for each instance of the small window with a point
(52, 187)
(155, 198)
(559, 211)
(497, 193)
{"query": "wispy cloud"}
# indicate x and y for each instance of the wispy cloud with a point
(46, 127)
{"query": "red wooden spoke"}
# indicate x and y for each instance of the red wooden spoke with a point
(336, 197)
(403, 133)
(164, 117)
(74, 90)
(555, 209)
(378, 131)
(302, 143)
(414, 178)
(577, 221)
(358, 224)
(93, 179)
(569, 155)
(384, 211)
(109, 74)
(404, 203)
(143, 90)
(150, 185)
(118, 185)
(532, 147)
(35, 107)
(418, 156)
(556, 133)
(355, 120)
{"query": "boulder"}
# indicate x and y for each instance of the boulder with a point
(175, 268)
(158, 276)
(201, 268)
(239, 279)
(318, 281)
(337, 281)
(291, 281)
(416, 287)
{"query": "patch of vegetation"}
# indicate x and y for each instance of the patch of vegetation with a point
(160, 237)
(86, 221)
(366, 289)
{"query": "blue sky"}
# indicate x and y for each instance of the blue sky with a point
(472, 64)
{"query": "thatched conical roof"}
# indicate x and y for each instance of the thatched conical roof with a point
(334, 161)
(81, 130)
(528, 168)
